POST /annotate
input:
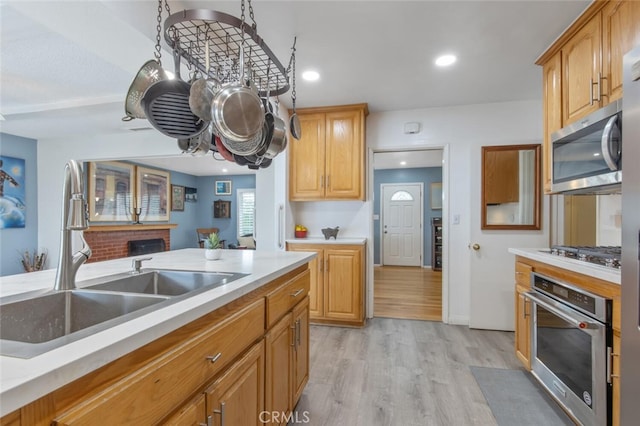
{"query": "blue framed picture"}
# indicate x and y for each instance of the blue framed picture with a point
(12, 201)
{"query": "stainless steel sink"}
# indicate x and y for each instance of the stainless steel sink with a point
(37, 324)
(31, 324)
(164, 282)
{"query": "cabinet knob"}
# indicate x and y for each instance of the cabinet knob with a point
(476, 246)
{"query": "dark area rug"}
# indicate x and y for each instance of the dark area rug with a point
(515, 398)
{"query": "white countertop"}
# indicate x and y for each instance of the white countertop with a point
(544, 255)
(24, 380)
(322, 240)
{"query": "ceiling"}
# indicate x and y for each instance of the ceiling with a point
(65, 66)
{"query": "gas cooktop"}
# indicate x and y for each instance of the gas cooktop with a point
(609, 256)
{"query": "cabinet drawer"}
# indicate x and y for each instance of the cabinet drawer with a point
(157, 389)
(285, 297)
(523, 274)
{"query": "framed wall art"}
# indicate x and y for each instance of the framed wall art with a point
(12, 193)
(223, 187)
(152, 195)
(222, 209)
(111, 189)
(177, 198)
(190, 195)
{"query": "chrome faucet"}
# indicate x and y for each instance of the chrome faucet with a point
(74, 218)
(136, 264)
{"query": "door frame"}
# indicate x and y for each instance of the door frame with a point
(422, 227)
(445, 223)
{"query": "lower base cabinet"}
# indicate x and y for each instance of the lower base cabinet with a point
(237, 397)
(523, 328)
(225, 368)
(337, 283)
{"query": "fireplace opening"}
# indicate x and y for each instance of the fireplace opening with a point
(138, 247)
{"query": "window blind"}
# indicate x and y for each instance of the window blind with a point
(246, 211)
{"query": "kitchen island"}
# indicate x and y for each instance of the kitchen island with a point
(108, 357)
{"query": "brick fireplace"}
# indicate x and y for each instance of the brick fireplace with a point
(112, 241)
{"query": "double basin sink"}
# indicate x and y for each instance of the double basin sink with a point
(34, 324)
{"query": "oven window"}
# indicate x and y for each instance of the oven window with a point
(566, 351)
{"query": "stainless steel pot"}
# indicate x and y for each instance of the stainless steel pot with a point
(278, 135)
(151, 72)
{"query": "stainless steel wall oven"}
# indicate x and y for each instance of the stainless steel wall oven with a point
(571, 341)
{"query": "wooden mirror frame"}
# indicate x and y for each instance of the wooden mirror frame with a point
(486, 150)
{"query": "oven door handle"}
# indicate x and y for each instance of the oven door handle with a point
(559, 311)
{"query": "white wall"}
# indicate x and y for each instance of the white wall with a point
(462, 129)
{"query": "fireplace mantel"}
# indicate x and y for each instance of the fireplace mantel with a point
(131, 227)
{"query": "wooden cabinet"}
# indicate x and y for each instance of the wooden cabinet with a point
(552, 112)
(300, 369)
(523, 315)
(279, 367)
(209, 369)
(287, 363)
(582, 70)
(620, 33)
(337, 286)
(237, 397)
(191, 414)
(327, 163)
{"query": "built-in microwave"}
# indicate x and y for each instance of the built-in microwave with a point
(586, 156)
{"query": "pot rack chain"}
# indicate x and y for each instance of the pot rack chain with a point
(188, 31)
(158, 52)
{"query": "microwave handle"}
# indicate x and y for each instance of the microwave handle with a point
(605, 144)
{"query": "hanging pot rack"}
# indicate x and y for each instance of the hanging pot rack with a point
(188, 31)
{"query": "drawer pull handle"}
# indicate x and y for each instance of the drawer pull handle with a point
(297, 293)
(215, 357)
(221, 412)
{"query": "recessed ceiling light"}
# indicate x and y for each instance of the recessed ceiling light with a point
(596, 154)
(224, 170)
(445, 60)
(403, 163)
(310, 75)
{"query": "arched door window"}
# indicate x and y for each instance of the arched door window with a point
(401, 196)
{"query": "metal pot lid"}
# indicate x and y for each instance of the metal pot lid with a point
(238, 113)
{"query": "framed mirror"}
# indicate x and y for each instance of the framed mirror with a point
(511, 187)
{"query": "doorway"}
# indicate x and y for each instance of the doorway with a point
(404, 282)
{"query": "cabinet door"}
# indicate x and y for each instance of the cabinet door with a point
(193, 413)
(301, 350)
(237, 397)
(279, 344)
(582, 66)
(552, 112)
(316, 267)
(502, 177)
(345, 155)
(307, 159)
(343, 284)
(523, 331)
(620, 32)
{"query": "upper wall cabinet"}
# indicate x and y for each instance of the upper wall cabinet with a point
(582, 70)
(327, 163)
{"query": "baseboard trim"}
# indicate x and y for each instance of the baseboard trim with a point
(458, 320)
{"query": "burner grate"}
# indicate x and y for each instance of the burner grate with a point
(609, 256)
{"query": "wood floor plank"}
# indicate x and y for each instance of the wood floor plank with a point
(407, 293)
(401, 372)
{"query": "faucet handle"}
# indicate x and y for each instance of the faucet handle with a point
(136, 264)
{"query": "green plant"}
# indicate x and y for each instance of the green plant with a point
(213, 241)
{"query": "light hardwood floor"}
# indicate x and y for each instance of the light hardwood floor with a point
(401, 373)
(407, 292)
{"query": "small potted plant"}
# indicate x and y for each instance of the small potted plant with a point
(212, 245)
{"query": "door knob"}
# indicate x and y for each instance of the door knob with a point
(476, 246)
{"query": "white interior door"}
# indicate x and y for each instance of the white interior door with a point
(402, 224)
(492, 267)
